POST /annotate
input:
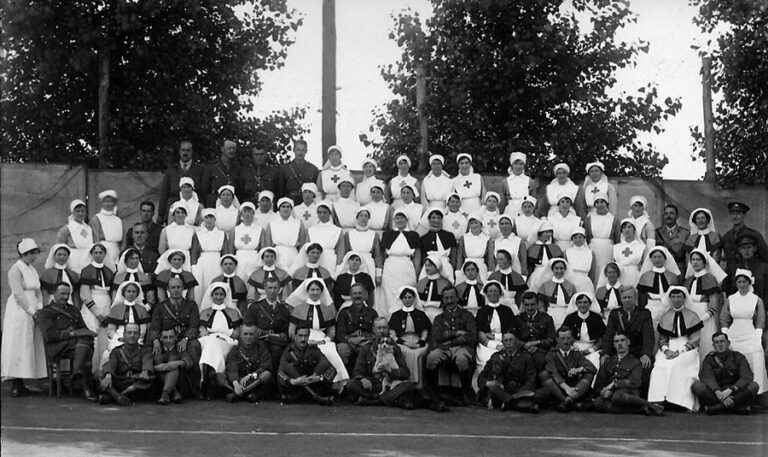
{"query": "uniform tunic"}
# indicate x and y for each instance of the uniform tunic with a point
(412, 326)
(436, 189)
(629, 257)
(469, 188)
(329, 237)
(602, 232)
(108, 227)
(516, 187)
(674, 240)
(328, 180)
(292, 175)
(396, 184)
(79, 237)
(287, 236)
(345, 212)
(247, 239)
(307, 214)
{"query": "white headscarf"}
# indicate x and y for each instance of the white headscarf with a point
(398, 304)
(692, 223)
(302, 258)
(669, 264)
(120, 299)
(343, 267)
(710, 266)
(301, 294)
(207, 301)
(594, 306)
(50, 262)
(121, 266)
(327, 165)
(235, 201)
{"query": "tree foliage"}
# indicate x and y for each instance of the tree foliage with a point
(178, 69)
(739, 75)
(525, 75)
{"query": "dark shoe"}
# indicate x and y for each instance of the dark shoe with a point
(252, 398)
(587, 405)
(177, 398)
(367, 402)
(744, 410)
(713, 410)
(407, 404)
(231, 398)
(104, 399)
(653, 409)
(122, 400)
(531, 409)
(508, 406)
(325, 401)
(564, 406)
(164, 398)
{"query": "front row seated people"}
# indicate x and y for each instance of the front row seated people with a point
(568, 374)
(305, 373)
(128, 372)
(726, 382)
(508, 380)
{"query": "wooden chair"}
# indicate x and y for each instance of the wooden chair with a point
(56, 371)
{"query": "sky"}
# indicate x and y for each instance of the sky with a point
(363, 47)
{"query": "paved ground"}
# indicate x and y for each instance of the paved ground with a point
(71, 427)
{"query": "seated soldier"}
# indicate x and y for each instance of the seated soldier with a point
(377, 381)
(509, 377)
(67, 337)
(568, 374)
(452, 343)
(617, 388)
(183, 317)
(677, 361)
(248, 367)
(129, 370)
(726, 382)
(354, 326)
(535, 330)
(305, 373)
(271, 316)
(176, 369)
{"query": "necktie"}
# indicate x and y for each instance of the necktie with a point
(613, 297)
(678, 323)
(660, 283)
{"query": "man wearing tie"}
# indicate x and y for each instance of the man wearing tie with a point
(169, 189)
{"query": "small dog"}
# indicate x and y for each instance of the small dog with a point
(385, 358)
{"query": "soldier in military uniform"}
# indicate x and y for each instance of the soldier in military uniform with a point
(738, 212)
(129, 371)
(617, 387)
(452, 343)
(222, 171)
(673, 237)
(509, 378)
(169, 189)
(182, 316)
(305, 373)
(354, 326)
(248, 367)
(568, 374)
(272, 318)
(176, 369)
(535, 330)
(296, 172)
(258, 176)
(726, 381)
(66, 336)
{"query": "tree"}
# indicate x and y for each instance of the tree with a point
(525, 75)
(739, 74)
(179, 69)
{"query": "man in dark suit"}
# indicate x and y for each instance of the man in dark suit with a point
(296, 172)
(672, 236)
(568, 374)
(149, 256)
(146, 213)
(738, 212)
(637, 324)
(220, 172)
(169, 190)
(258, 176)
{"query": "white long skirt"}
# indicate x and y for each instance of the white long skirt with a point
(286, 255)
(23, 352)
(398, 271)
(204, 271)
(215, 347)
(602, 249)
(671, 379)
(744, 339)
(247, 261)
(329, 351)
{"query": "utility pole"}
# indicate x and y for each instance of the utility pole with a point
(329, 76)
(709, 129)
(103, 105)
(421, 99)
